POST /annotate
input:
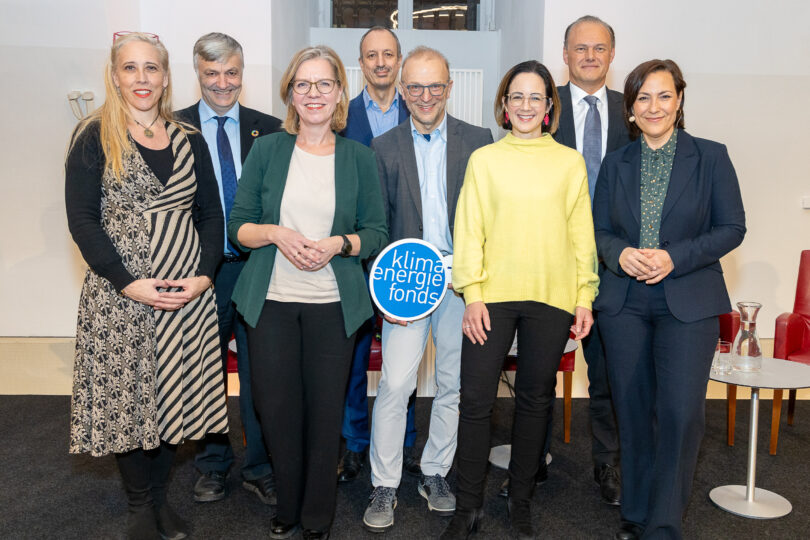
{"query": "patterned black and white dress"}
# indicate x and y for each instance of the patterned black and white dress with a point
(142, 375)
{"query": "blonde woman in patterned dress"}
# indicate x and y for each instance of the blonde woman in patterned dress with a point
(143, 208)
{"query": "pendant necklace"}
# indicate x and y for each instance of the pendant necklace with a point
(146, 131)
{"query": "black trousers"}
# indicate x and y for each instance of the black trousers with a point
(605, 433)
(300, 359)
(658, 368)
(542, 333)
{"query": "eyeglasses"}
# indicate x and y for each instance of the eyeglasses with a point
(123, 33)
(324, 86)
(416, 90)
(535, 100)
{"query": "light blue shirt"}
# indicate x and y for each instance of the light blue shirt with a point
(380, 121)
(208, 126)
(431, 162)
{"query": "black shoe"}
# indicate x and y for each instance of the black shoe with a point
(210, 487)
(170, 525)
(464, 524)
(629, 531)
(264, 488)
(142, 523)
(350, 466)
(282, 530)
(310, 534)
(410, 462)
(610, 483)
(520, 516)
(539, 479)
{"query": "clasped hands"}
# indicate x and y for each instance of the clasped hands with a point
(647, 265)
(148, 291)
(307, 255)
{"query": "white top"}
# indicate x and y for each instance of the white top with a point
(775, 373)
(307, 206)
(580, 109)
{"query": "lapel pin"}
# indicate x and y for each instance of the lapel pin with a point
(255, 133)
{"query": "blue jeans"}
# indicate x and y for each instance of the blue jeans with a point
(214, 452)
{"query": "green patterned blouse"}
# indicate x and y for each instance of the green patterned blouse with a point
(656, 168)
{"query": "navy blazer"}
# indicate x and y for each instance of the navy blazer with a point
(702, 220)
(617, 130)
(252, 124)
(357, 125)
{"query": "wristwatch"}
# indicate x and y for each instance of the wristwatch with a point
(346, 250)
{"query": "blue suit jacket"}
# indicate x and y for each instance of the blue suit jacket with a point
(702, 220)
(357, 126)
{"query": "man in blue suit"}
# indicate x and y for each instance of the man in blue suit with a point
(377, 109)
(219, 63)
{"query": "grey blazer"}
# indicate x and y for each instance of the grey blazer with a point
(399, 176)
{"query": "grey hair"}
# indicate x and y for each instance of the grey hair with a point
(384, 29)
(591, 19)
(427, 51)
(217, 47)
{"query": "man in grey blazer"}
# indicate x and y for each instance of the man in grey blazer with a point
(422, 164)
(591, 121)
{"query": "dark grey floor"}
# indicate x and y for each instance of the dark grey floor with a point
(50, 494)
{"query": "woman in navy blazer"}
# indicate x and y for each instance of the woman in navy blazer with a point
(667, 207)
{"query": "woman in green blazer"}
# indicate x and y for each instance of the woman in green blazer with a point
(308, 209)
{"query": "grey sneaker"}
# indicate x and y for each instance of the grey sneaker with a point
(379, 515)
(437, 492)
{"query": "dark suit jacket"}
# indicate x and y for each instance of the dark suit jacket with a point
(358, 210)
(399, 175)
(617, 130)
(702, 220)
(357, 125)
(252, 124)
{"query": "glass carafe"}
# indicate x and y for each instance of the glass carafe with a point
(746, 351)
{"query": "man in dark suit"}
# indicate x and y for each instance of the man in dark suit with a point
(591, 121)
(377, 109)
(229, 129)
(422, 164)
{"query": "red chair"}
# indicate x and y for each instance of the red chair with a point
(567, 367)
(792, 342)
(509, 364)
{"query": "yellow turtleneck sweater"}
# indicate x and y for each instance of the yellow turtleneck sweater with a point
(523, 228)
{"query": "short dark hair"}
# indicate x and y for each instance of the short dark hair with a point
(383, 28)
(593, 19)
(634, 82)
(529, 66)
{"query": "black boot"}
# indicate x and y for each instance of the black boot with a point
(520, 516)
(135, 475)
(463, 525)
(169, 524)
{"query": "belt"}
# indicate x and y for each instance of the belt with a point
(228, 258)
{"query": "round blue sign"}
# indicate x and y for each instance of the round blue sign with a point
(408, 279)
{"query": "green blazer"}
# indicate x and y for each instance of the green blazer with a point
(358, 210)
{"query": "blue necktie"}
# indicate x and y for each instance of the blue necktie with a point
(592, 142)
(228, 171)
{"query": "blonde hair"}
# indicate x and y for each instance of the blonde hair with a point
(293, 122)
(114, 113)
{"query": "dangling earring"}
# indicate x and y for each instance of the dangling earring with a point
(545, 120)
(506, 115)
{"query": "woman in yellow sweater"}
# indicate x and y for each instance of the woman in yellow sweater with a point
(525, 261)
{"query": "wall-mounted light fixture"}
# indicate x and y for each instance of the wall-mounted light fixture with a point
(75, 106)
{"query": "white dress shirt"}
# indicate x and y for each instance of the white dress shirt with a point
(580, 109)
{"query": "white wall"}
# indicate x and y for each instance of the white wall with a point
(747, 72)
(50, 47)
